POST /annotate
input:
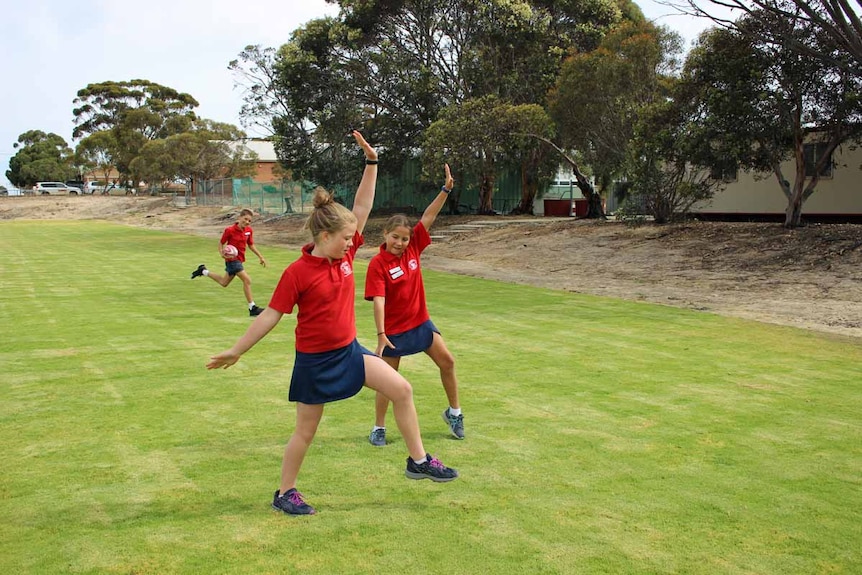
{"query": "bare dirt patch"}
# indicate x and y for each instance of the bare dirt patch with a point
(808, 278)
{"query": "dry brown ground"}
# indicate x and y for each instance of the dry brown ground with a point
(807, 278)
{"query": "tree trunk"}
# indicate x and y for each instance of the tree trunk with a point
(529, 189)
(595, 210)
(793, 213)
(486, 193)
(796, 198)
(801, 192)
(452, 202)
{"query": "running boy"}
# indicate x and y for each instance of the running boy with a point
(239, 235)
(394, 284)
(329, 363)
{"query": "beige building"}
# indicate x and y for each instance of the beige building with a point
(838, 193)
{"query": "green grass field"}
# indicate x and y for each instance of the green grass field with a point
(603, 436)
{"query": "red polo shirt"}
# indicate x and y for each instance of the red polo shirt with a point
(324, 292)
(238, 237)
(399, 280)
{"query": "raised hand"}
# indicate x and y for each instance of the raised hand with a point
(370, 153)
(450, 182)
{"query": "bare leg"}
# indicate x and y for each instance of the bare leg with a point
(440, 355)
(307, 419)
(222, 280)
(380, 377)
(381, 403)
(246, 285)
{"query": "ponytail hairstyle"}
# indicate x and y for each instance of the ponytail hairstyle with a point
(327, 215)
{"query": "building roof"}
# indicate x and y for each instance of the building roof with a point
(264, 149)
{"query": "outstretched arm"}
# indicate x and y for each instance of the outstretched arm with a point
(430, 213)
(261, 326)
(365, 192)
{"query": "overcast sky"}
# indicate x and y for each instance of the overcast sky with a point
(53, 48)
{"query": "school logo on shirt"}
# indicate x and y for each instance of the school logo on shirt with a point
(346, 270)
(413, 265)
(396, 272)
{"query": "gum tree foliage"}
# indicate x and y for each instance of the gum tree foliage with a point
(255, 74)
(154, 164)
(664, 177)
(316, 82)
(537, 163)
(454, 135)
(41, 157)
(389, 67)
(755, 104)
(663, 181)
(97, 152)
(664, 189)
(836, 22)
(135, 111)
(209, 150)
(601, 94)
(460, 134)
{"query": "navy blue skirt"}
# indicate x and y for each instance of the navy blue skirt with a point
(411, 341)
(328, 375)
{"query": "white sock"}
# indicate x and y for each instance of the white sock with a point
(454, 412)
(420, 462)
(251, 306)
(376, 427)
(206, 272)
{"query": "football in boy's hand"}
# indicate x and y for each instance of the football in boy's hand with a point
(230, 252)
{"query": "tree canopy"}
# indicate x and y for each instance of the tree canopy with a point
(600, 95)
(210, 150)
(391, 67)
(163, 111)
(836, 22)
(97, 153)
(135, 111)
(41, 157)
(255, 74)
(454, 135)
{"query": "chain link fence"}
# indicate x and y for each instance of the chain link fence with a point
(279, 197)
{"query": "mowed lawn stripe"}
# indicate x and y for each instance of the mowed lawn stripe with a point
(603, 436)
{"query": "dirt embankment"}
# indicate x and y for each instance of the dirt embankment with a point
(810, 277)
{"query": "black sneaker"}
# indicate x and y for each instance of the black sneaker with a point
(255, 310)
(292, 503)
(199, 272)
(432, 469)
(455, 423)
